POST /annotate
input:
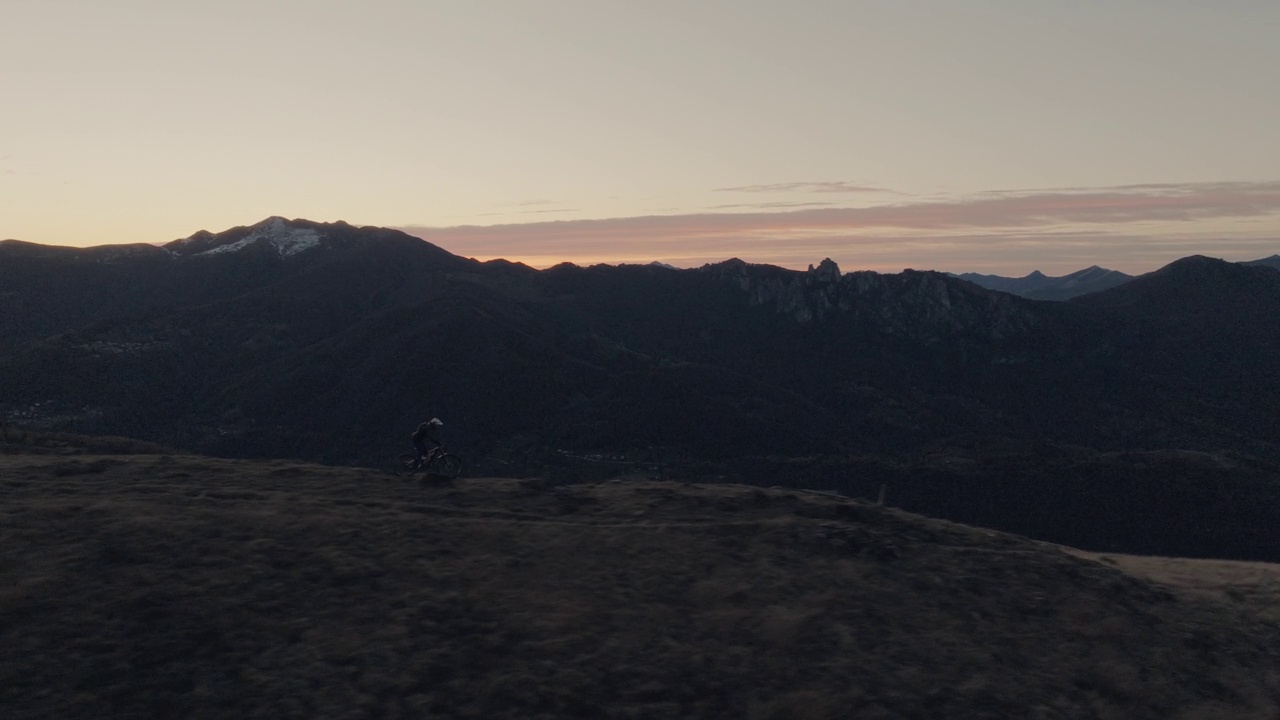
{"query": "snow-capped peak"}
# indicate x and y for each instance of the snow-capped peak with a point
(287, 239)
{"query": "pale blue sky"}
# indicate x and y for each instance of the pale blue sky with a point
(977, 135)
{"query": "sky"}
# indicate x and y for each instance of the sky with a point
(995, 136)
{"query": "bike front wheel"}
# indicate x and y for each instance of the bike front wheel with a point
(446, 465)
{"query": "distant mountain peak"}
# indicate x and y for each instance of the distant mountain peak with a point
(288, 237)
(1197, 260)
(1198, 266)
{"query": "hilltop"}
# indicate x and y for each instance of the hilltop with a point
(159, 585)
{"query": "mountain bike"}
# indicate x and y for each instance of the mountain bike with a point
(438, 462)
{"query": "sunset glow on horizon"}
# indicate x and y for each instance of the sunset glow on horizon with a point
(995, 231)
(991, 136)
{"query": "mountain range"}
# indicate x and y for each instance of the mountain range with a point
(1138, 418)
(1038, 286)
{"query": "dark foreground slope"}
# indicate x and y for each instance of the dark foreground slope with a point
(181, 586)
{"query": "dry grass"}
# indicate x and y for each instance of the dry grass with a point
(156, 586)
(1251, 586)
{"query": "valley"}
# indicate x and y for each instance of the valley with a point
(1138, 419)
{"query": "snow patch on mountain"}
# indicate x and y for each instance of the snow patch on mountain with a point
(287, 240)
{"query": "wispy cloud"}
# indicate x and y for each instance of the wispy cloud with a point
(530, 212)
(770, 205)
(1057, 226)
(813, 187)
(527, 203)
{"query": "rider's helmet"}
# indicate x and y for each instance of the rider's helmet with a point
(435, 421)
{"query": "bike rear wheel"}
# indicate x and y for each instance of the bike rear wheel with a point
(408, 465)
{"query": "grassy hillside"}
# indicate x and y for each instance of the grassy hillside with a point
(153, 585)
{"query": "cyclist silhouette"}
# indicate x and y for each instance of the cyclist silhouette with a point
(427, 432)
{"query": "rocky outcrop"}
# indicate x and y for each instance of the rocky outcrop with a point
(922, 305)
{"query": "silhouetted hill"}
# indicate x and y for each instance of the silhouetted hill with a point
(1273, 261)
(1196, 286)
(1038, 286)
(1200, 331)
(330, 342)
(1203, 318)
(46, 290)
(183, 586)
